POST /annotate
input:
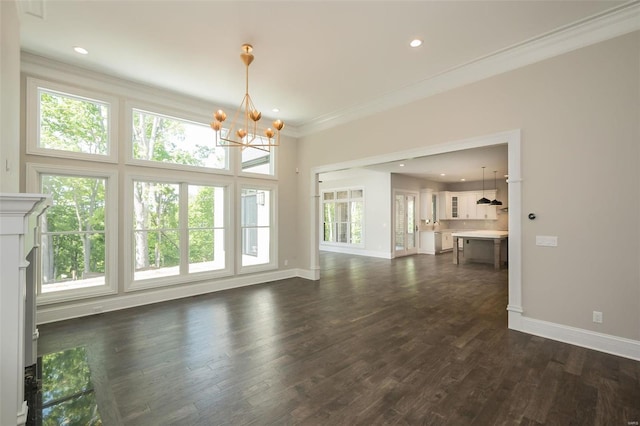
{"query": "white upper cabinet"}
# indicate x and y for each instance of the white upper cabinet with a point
(429, 209)
(463, 205)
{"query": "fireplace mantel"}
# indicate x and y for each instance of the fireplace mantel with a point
(18, 214)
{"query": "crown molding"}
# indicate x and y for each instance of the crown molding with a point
(612, 23)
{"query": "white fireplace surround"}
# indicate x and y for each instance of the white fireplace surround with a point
(18, 220)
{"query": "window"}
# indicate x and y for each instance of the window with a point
(180, 223)
(69, 125)
(343, 216)
(255, 228)
(206, 228)
(155, 231)
(77, 238)
(171, 140)
(178, 229)
(256, 160)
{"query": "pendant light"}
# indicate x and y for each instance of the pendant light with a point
(495, 201)
(483, 200)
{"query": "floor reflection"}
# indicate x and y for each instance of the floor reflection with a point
(66, 396)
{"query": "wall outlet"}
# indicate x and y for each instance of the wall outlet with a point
(597, 317)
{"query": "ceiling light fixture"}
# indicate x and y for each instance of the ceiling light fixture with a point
(81, 50)
(483, 200)
(495, 201)
(243, 129)
(415, 43)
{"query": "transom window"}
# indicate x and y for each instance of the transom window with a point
(171, 140)
(69, 123)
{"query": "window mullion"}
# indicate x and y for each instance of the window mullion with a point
(183, 224)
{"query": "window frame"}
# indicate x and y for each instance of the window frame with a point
(237, 161)
(33, 120)
(170, 113)
(34, 171)
(273, 228)
(348, 200)
(184, 276)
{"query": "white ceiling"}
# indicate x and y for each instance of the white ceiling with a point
(313, 59)
(455, 166)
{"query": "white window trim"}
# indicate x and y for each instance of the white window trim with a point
(183, 278)
(273, 227)
(172, 114)
(237, 159)
(348, 199)
(33, 172)
(33, 114)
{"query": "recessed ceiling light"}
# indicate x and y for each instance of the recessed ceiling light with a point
(81, 50)
(416, 43)
(463, 179)
(401, 164)
(275, 110)
(442, 174)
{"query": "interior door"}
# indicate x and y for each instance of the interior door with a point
(405, 224)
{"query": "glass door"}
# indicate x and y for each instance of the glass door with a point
(405, 224)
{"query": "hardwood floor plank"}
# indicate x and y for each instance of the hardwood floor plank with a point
(408, 341)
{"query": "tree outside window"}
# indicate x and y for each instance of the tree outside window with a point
(73, 233)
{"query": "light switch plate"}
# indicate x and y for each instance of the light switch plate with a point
(547, 240)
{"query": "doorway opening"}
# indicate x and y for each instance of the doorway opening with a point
(511, 138)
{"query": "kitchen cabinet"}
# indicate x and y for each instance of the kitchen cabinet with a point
(429, 206)
(435, 242)
(463, 205)
(447, 240)
(430, 242)
(487, 212)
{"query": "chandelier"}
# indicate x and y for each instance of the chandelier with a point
(242, 131)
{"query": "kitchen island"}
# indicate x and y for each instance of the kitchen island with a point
(497, 237)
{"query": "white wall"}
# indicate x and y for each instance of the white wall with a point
(377, 213)
(578, 114)
(9, 97)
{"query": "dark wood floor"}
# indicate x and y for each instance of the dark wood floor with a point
(415, 340)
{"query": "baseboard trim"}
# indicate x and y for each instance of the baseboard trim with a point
(614, 345)
(308, 274)
(357, 252)
(47, 314)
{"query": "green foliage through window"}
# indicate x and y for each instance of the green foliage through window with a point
(343, 216)
(158, 231)
(73, 229)
(171, 140)
(70, 123)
